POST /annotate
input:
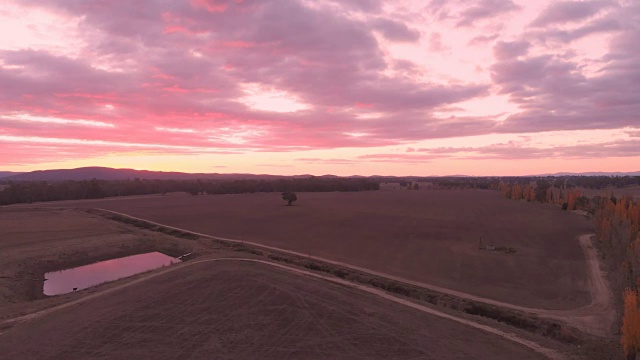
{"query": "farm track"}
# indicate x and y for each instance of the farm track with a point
(597, 318)
(327, 332)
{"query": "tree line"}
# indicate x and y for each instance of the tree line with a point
(496, 182)
(579, 181)
(544, 191)
(445, 182)
(602, 182)
(617, 226)
(14, 192)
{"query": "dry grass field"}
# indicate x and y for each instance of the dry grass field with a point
(232, 309)
(35, 241)
(428, 235)
(228, 310)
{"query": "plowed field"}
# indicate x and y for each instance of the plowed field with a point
(430, 236)
(228, 310)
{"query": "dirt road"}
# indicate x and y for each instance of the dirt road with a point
(548, 353)
(597, 318)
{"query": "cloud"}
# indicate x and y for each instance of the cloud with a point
(560, 12)
(407, 68)
(17, 154)
(332, 161)
(513, 150)
(506, 50)
(467, 13)
(276, 165)
(211, 5)
(368, 6)
(435, 43)
(360, 68)
(599, 26)
(406, 158)
(191, 79)
(554, 93)
(395, 31)
(482, 39)
(19, 151)
(485, 9)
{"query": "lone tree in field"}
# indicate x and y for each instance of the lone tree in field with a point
(290, 197)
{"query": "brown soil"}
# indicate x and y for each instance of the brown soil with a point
(430, 236)
(244, 311)
(35, 241)
(596, 318)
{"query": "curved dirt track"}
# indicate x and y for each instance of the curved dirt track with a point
(597, 318)
(549, 353)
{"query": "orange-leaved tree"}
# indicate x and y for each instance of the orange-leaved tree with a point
(516, 192)
(630, 324)
(571, 198)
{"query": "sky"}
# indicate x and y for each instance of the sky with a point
(360, 87)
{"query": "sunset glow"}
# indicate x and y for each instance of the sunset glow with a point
(483, 87)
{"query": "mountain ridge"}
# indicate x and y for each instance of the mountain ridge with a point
(4, 174)
(107, 173)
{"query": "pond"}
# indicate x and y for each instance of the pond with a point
(69, 280)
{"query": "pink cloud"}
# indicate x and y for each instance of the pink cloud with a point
(467, 13)
(211, 5)
(182, 65)
(332, 161)
(483, 39)
(363, 106)
(395, 30)
(435, 43)
(238, 44)
(407, 158)
(516, 151)
(507, 50)
(174, 29)
(568, 11)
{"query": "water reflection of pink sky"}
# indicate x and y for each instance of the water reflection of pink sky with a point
(61, 282)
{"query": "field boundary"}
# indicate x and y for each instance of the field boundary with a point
(547, 352)
(550, 323)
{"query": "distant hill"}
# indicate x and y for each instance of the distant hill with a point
(594, 173)
(4, 174)
(105, 173)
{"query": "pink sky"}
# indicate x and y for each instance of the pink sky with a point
(483, 87)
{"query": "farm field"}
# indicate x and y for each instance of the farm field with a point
(430, 236)
(35, 241)
(237, 310)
